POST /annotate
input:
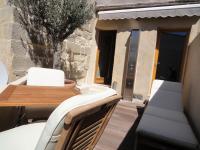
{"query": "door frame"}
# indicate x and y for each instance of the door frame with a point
(184, 53)
(98, 80)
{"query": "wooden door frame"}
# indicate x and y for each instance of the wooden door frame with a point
(184, 53)
(156, 55)
(97, 80)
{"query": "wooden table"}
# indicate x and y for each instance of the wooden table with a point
(23, 95)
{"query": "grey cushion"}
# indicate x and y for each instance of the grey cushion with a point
(166, 114)
(167, 100)
(167, 130)
(167, 86)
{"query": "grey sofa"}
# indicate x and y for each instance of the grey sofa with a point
(164, 120)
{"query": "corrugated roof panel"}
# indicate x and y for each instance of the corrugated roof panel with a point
(151, 12)
(121, 4)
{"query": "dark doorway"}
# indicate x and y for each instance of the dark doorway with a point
(106, 50)
(171, 51)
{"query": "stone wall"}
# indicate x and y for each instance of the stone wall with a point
(21, 58)
(12, 51)
(15, 44)
(76, 52)
(191, 84)
(6, 19)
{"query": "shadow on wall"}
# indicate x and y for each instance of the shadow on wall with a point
(37, 42)
(39, 49)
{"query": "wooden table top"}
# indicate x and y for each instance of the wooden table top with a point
(23, 95)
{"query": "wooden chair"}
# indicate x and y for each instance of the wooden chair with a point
(76, 124)
(84, 125)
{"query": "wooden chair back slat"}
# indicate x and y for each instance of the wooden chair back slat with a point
(84, 125)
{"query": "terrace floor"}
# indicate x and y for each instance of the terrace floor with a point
(119, 133)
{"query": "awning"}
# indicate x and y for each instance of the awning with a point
(151, 12)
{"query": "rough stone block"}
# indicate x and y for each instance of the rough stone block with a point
(6, 15)
(89, 26)
(75, 48)
(19, 33)
(6, 55)
(21, 63)
(88, 50)
(19, 73)
(3, 3)
(5, 31)
(5, 46)
(77, 32)
(87, 35)
(19, 48)
(16, 15)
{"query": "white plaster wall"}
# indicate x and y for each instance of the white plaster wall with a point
(144, 65)
(146, 49)
(191, 85)
(121, 47)
(117, 24)
(92, 58)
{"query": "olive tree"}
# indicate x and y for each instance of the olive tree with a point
(48, 23)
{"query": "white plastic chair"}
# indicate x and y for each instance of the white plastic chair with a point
(44, 136)
(3, 75)
(45, 77)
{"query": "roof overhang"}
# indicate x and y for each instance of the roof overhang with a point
(151, 12)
